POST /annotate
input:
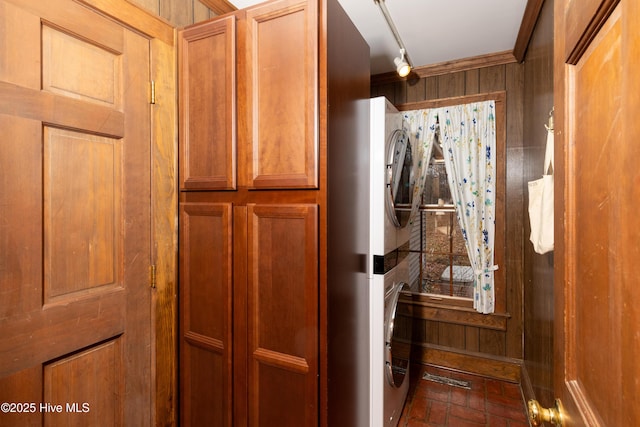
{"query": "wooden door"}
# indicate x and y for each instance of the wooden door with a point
(597, 253)
(75, 318)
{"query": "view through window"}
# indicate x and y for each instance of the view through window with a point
(444, 264)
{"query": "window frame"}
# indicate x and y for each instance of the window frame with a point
(463, 304)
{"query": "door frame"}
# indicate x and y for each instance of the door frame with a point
(164, 199)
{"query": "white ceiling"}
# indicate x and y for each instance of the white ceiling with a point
(433, 31)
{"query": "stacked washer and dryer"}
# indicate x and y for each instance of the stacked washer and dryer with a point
(392, 182)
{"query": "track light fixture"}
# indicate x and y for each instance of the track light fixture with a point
(403, 63)
(402, 66)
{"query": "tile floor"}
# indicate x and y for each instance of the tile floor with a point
(488, 403)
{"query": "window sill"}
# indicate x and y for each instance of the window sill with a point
(451, 310)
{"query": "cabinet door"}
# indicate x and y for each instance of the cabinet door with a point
(205, 306)
(283, 315)
(208, 105)
(281, 63)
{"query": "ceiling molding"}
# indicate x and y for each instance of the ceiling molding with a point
(219, 7)
(529, 19)
(481, 61)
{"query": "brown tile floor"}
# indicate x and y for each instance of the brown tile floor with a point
(489, 402)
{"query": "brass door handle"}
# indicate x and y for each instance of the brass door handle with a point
(538, 414)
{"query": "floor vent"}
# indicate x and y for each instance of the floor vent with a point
(448, 381)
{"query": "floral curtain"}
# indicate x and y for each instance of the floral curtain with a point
(422, 126)
(468, 137)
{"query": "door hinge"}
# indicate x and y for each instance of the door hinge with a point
(153, 92)
(152, 276)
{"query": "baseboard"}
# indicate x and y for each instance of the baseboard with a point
(501, 368)
(525, 384)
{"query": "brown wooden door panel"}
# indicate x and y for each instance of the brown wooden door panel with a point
(281, 81)
(208, 105)
(206, 320)
(597, 330)
(75, 235)
(596, 258)
(584, 18)
(283, 314)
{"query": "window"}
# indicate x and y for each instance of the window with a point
(439, 261)
(444, 265)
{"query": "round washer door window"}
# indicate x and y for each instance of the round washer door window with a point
(397, 350)
(400, 179)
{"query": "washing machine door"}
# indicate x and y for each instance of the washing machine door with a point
(400, 178)
(397, 351)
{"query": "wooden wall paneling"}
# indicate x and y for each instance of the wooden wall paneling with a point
(432, 331)
(415, 90)
(537, 270)
(449, 67)
(472, 338)
(492, 78)
(152, 6)
(498, 367)
(387, 90)
(472, 82)
(432, 87)
(492, 342)
(418, 330)
(178, 12)
(515, 212)
(450, 85)
(401, 91)
(451, 335)
(219, 7)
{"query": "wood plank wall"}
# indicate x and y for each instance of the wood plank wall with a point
(507, 77)
(180, 13)
(538, 269)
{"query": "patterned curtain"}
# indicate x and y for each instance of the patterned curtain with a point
(422, 130)
(468, 137)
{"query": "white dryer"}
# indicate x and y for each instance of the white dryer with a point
(392, 182)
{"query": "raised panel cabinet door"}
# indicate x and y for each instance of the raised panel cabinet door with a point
(206, 310)
(282, 267)
(207, 68)
(281, 94)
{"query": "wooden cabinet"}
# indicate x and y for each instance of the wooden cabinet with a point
(254, 208)
(208, 157)
(281, 77)
(276, 46)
